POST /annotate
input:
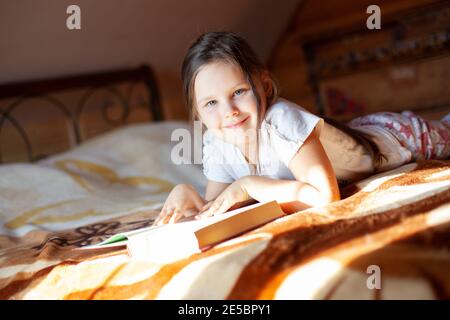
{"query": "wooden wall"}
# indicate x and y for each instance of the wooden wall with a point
(355, 71)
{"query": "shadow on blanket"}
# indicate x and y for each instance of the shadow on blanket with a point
(397, 221)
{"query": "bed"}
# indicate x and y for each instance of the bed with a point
(388, 238)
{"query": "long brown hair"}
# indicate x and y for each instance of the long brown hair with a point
(363, 139)
(225, 46)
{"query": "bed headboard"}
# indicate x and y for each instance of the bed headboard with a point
(43, 117)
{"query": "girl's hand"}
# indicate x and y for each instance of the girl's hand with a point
(233, 194)
(183, 200)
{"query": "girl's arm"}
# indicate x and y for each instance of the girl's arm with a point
(213, 189)
(292, 195)
(312, 166)
(316, 183)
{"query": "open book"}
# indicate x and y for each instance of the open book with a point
(172, 242)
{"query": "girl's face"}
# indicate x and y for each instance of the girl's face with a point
(226, 103)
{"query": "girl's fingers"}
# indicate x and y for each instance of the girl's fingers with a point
(211, 210)
(163, 217)
(190, 212)
(168, 216)
(161, 214)
(175, 216)
(222, 209)
(202, 215)
(159, 217)
(158, 220)
(206, 206)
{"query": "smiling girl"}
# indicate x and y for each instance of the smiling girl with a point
(258, 146)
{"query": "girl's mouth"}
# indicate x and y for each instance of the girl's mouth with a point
(237, 125)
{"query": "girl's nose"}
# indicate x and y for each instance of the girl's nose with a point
(233, 112)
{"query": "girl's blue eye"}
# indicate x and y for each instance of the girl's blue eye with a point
(211, 103)
(238, 92)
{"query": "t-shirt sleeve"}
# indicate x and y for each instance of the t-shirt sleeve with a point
(289, 127)
(214, 167)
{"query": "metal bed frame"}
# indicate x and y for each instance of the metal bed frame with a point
(88, 84)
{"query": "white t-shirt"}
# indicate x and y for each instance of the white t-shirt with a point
(284, 129)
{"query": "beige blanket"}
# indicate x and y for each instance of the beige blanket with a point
(388, 238)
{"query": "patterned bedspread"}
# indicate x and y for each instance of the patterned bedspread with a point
(388, 238)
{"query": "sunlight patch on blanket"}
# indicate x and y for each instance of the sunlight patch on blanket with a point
(200, 279)
(308, 281)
